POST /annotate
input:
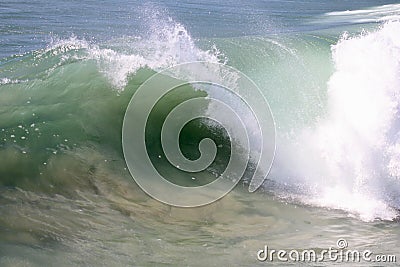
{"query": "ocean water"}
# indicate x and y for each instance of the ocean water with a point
(329, 70)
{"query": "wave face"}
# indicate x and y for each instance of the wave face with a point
(66, 195)
(62, 109)
(68, 100)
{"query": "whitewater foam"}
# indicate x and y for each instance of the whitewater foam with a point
(351, 159)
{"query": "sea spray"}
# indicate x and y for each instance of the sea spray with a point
(350, 159)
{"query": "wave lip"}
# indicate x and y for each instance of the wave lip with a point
(167, 43)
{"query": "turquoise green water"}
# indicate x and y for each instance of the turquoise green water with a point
(67, 197)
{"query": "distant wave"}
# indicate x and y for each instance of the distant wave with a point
(368, 15)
